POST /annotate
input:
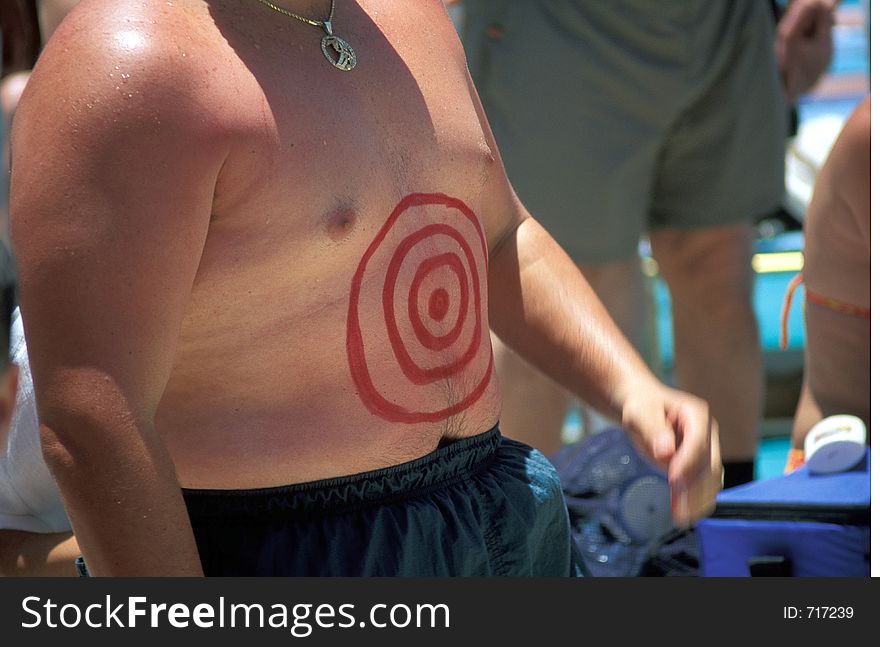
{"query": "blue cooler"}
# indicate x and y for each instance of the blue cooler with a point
(802, 525)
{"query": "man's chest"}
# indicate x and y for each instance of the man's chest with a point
(327, 153)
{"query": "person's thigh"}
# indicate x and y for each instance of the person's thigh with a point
(708, 264)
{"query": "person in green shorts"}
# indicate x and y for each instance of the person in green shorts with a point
(620, 119)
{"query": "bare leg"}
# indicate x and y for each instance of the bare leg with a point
(718, 356)
(534, 407)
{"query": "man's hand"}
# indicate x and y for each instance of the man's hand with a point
(803, 44)
(678, 433)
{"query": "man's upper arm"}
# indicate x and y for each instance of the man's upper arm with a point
(115, 156)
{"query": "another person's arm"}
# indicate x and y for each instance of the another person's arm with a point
(24, 553)
(804, 44)
(33, 554)
(837, 249)
(113, 180)
(855, 172)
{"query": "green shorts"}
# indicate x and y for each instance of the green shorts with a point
(614, 118)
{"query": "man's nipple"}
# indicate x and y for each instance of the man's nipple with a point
(339, 223)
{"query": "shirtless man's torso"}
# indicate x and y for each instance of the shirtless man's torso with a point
(304, 170)
(242, 267)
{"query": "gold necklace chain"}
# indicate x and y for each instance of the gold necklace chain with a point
(308, 21)
(337, 52)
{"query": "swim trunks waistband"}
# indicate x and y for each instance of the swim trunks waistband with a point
(440, 468)
(479, 506)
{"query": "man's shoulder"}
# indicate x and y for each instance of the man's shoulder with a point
(129, 61)
(164, 15)
(161, 23)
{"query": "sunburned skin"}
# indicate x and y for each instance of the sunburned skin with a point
(437, 332)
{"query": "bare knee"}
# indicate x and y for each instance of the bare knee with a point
(709, 272)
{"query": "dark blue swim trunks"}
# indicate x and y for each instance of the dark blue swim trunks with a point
(481, 506)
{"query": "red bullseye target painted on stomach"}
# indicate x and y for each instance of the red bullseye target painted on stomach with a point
(430, 296)
(438, 302)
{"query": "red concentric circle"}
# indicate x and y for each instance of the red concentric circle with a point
(438, 302)
(432, 307)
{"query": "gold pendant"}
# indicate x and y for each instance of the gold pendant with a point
(344, 58)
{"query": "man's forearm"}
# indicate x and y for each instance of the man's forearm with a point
(542, 307)
(124, 502)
